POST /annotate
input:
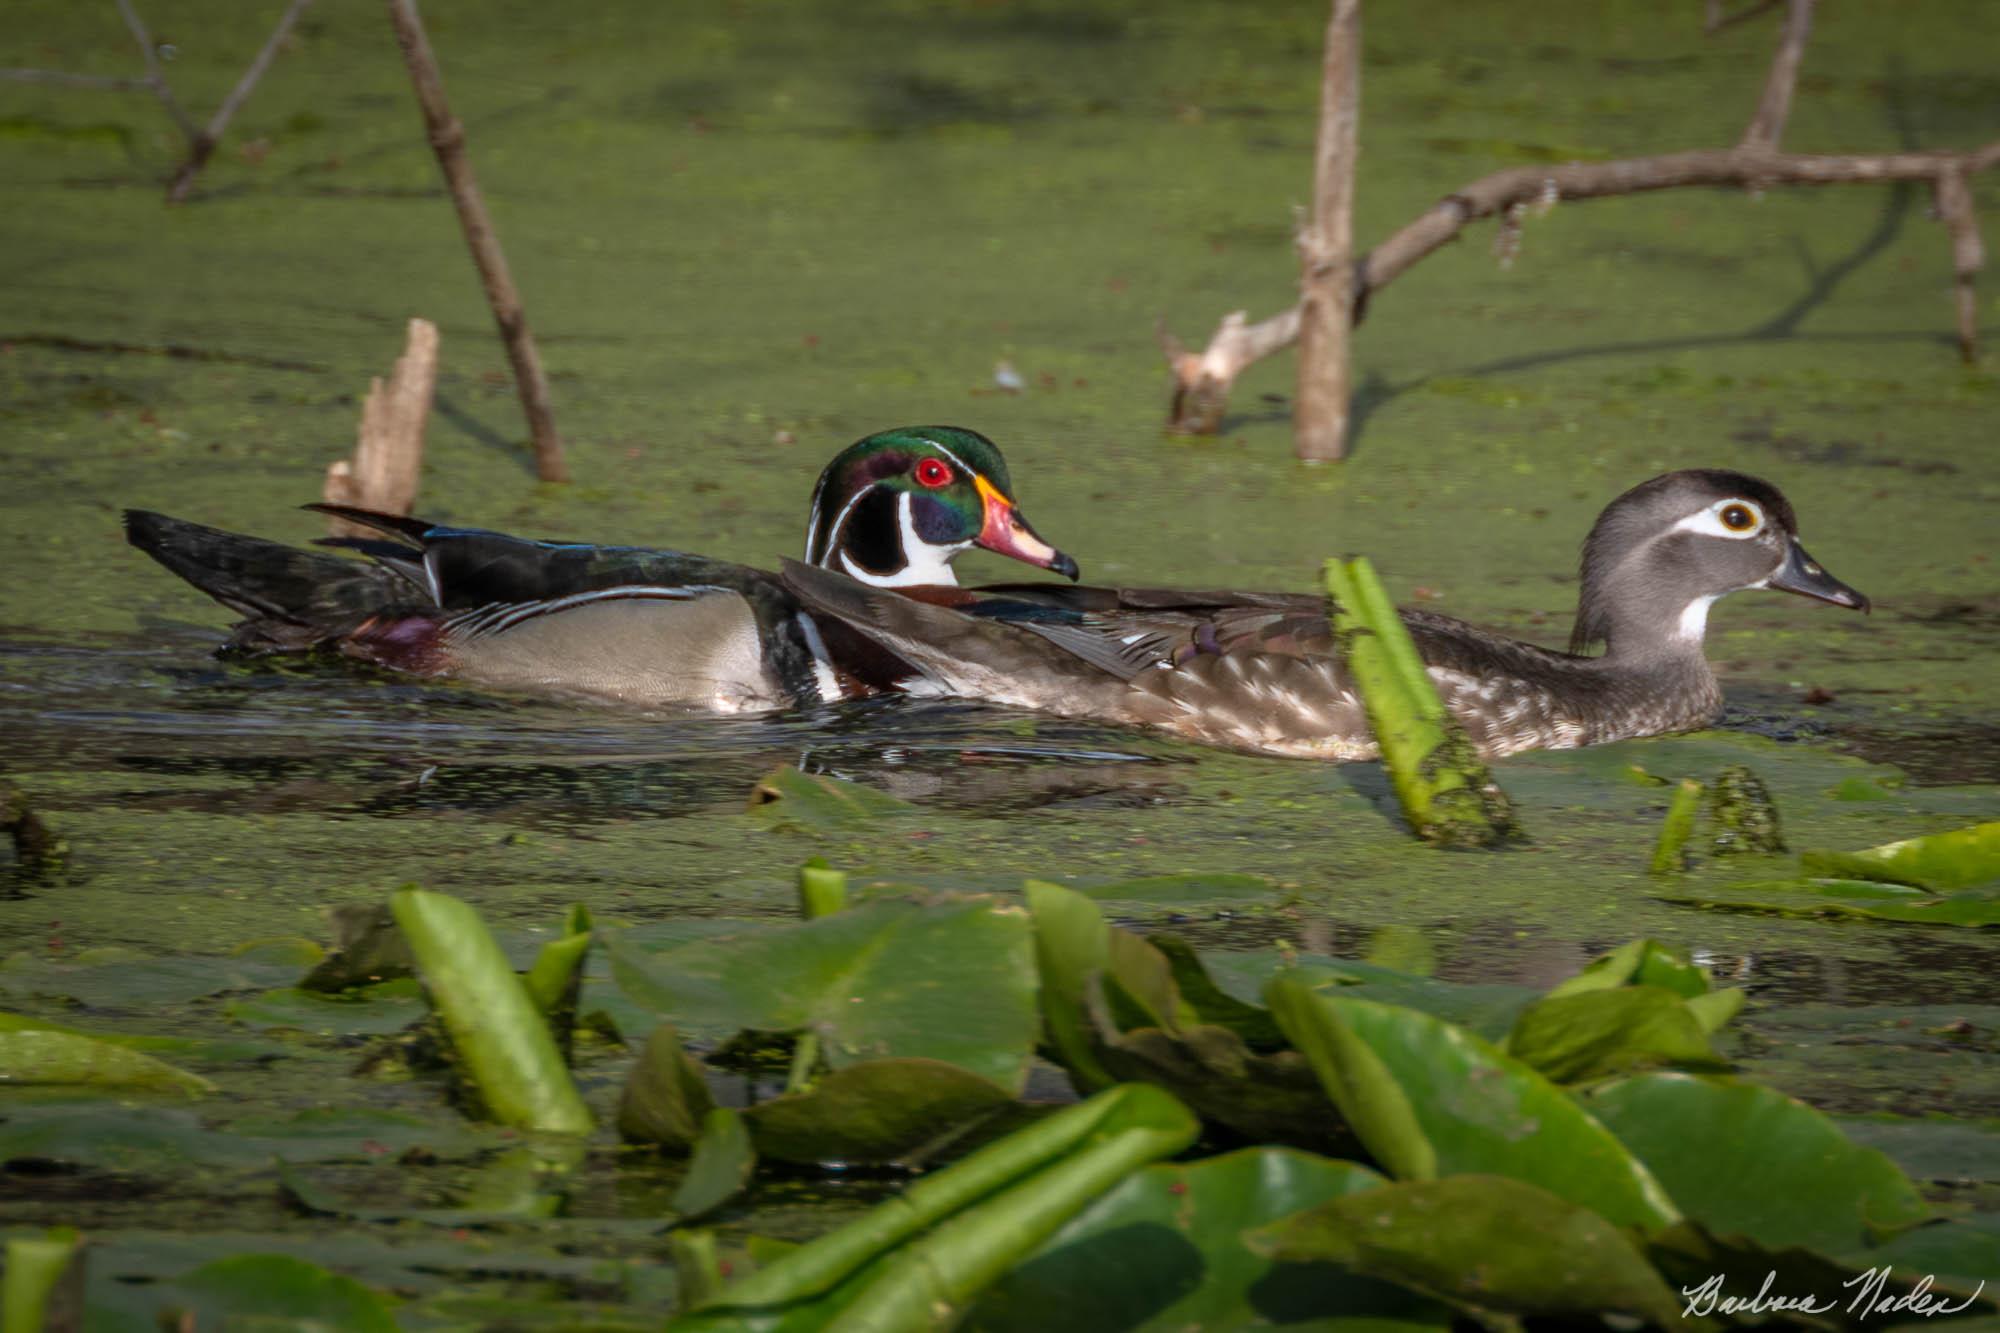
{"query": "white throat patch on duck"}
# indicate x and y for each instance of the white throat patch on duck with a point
(886, 555)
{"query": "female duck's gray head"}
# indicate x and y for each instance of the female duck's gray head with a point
(1661, 554)
(896, 508)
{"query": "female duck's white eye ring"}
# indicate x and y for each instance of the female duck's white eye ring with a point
(1734, 517)
(1738, 516)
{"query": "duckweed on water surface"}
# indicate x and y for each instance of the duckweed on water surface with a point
(745, 244)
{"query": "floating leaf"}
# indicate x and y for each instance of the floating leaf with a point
(366, 948)
(1590, 1034)
(1638, 963)
(1430, 1098)
(1851, 897)
(31, 1057)
(1164, 1251)
(257, 1287)
(1955, 860)
(949, 980)
(813, 802)
(1748, 1160)
(388, 1006)
(876, 1112)
(1492, 1242)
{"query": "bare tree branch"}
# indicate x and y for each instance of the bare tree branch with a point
(447, 136)
(1767, 127)
(1202, 382)
(1326, 249)
(156, 78)
(203, 146)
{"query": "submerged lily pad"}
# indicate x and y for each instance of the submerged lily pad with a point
(42, 1057)
(1491, 1242)
(876, 1112)
(951, 980)
(1748, 1160)
(388, 1006)
(1164, 1250)
(253, 1288)
(814, 802)
(1177, 890)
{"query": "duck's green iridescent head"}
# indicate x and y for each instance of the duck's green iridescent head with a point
(896, 508)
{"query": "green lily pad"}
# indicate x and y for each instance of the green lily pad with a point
(815, 803)
(1639, 963)
(1961, 1254)
(42, 1057)
(722, 1165)
(1163, 1250)
(255, 1288)
(1748, 1160)
(387, 1006)
(1432, 1099)
(1955, 860)
(123, 980)
(1489, 1010)
(1072, 945)
(876, 1112)
(1947, 1149)
(1594, 1033)
(951, 980)
(1850, 897)
(666, 1098)
(1491, 1242)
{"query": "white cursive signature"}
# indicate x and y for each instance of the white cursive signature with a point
(1871, 1297)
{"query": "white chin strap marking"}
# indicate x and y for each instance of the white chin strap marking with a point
(924, 563)
(1694, 618)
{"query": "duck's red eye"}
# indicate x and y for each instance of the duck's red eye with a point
(932, 473)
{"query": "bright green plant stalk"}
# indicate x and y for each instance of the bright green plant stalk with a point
(696, 1264)
(493, 1024)
(557, 964)
(821, 1264)
(946, 1269)
(35, 1267)
(1676, 827)
(822, 889)
(1445, 791)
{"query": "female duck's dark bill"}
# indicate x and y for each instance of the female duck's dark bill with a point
(1804, 575)
(1005, 532)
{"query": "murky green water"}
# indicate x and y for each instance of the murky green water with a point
(747, 237)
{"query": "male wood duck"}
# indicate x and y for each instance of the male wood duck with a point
(623, 623)
(1260, 672)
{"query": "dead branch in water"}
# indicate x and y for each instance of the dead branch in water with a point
(447, 136)
(1326, 249)
(389, 447)
(1202, 381)
(202, 146)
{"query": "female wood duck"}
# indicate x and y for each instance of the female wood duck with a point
(625, 623)
(1259, 671)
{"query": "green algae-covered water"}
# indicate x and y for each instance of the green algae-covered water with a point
(749, 235)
